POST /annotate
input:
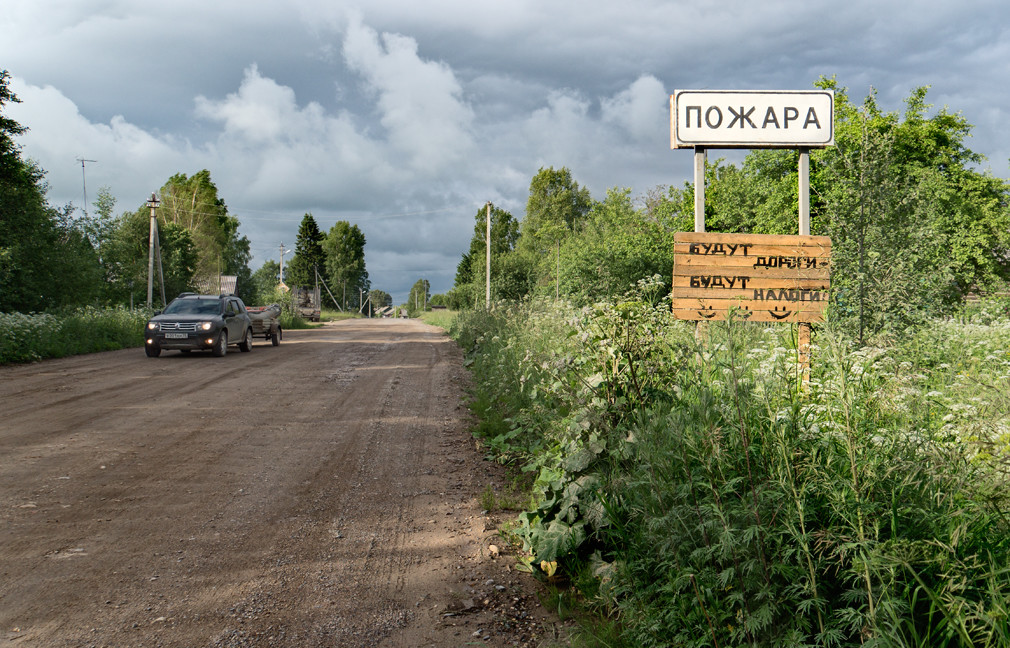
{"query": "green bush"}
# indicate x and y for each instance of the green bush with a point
(716, 501)
(36, 336)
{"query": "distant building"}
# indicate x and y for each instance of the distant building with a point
(223, 285)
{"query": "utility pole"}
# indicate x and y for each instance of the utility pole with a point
(283, 252)
(153, 203)
(487, 284)
(84, 182)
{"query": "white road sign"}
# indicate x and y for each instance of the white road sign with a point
(752, 118)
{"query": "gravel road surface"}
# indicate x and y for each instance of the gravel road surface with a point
(324, 492)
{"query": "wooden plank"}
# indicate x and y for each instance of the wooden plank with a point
(791, 317)
(770, 310)
(716, 250)
(688, 270)
(755, 239)
(743, 281)
(803, 295)
(758, 262)
(704, 303)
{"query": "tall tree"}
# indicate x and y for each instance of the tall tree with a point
(12, 167)
(380, 298)
(504, 236)
(420, 294)
(914, 225)
(616, 247)
(344, 247)
(125, 258)
(193, 203)
(46, 258)
(308, 254)
(265, 282)
(555, 208)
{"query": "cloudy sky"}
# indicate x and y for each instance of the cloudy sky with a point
(405, 117)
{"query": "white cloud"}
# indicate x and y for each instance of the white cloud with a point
(123, 154)
(280, 153)
(260, 112)
(642, 110)
(370, 111)
(420, 102)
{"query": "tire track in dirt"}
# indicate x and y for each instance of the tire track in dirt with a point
(318, 493)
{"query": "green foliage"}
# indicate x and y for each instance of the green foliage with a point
(717, 503)
(441, 318)
(12, 167)
(556, 207)
(887, 191)
(344, 247)
(264, 283)
(511, 273)
(380, 298)
(504, 235)
(417, 300)
(614, 248)
(37, 336)
(192, 203)
(125, 255)
(309, 254)
(46, 258)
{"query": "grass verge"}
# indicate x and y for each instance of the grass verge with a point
(36, 336)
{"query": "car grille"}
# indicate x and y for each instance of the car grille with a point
(188, 327)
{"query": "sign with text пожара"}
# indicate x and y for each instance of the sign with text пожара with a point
(752, 118)
(768, 278)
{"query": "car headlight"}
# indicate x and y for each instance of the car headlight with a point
(152, 325)
(206, 326)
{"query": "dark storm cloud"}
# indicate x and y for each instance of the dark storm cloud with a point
(406, 117)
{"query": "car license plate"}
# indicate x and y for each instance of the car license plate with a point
(176, 336)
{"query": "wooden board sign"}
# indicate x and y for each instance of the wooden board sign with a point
(769, 278)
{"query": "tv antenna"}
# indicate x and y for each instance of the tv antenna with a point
(84, 181)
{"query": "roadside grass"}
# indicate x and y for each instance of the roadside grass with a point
(30, 337)
(36, 336)
(329, 315)
(694, 493)
(440, 318)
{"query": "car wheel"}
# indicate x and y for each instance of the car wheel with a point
(246, 344)
(221, 344)
(275, 338)
(152, 351)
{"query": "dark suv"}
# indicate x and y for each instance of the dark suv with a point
(192, 321)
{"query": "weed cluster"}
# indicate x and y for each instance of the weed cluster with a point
(697, 492)
(35, 336)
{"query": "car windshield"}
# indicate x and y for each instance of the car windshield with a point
(194, 307)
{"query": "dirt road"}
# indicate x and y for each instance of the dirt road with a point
(319, 493)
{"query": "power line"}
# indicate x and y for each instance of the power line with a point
(363, 217)
(243, 214)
